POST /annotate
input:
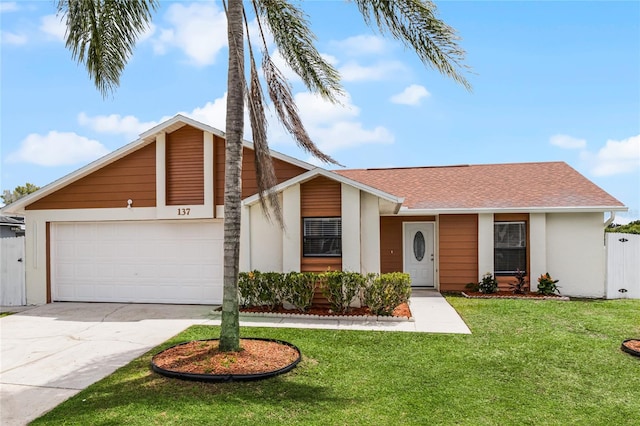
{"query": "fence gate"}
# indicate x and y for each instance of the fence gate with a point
(12, 291)
(623, 266)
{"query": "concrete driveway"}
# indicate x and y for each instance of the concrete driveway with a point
(51, 352)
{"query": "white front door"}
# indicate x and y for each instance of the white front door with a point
(419, 253)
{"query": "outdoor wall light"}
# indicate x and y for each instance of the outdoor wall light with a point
(129, 203)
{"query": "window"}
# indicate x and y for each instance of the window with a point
(322, 237)
(510, 247)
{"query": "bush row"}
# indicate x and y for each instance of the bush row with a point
(381, 293)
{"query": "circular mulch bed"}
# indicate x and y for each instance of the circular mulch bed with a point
(201, 360)
(631, 346)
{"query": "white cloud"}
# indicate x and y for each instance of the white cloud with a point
(213, 113)
(53, 26)
(412, 95)
(9, 6)
(567, 142)
(57, 149)
(199, 30)
(353, 71)
(11, 38)
(316, 111)
(361, 45)
(616, 157)
(333, 127)
(128, 126)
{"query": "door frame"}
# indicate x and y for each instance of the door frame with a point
(435, 250)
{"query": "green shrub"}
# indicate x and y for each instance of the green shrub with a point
(547, 285)
(261, 288)
(488, 284)
(385, 292)
(299, 288)
(340, 288)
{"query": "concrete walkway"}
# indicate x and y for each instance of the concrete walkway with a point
(49, 353)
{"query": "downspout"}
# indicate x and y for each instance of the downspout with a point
(610, 220)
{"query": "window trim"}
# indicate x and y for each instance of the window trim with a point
(337, 238)
(520, 248)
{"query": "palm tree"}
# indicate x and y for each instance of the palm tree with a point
(101, 35)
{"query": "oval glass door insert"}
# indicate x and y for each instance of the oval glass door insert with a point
(418, 246)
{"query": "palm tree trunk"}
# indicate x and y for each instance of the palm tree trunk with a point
(230, 327)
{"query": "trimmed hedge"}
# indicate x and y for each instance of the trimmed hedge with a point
(381, 293)
(387, 291)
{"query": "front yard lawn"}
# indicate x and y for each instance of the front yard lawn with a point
(527, 362)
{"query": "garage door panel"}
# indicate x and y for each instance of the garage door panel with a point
(145, 262)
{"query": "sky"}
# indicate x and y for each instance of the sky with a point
(552, 81)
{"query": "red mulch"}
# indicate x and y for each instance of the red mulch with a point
(633, 345)
(401, 311)
(203, 357)
(255, 356)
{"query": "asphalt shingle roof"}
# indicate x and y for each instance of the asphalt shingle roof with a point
(517, 185)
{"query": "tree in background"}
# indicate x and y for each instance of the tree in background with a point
(629, 228)
(9, 197)
(101, 35)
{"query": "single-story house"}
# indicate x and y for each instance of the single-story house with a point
(145, 223)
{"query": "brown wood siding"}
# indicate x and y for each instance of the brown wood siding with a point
(458, 251)
(284, 171)
(391, 241)
(132, 177)
(185, 167)
(321, 264)
(320, 197)
(505, 281)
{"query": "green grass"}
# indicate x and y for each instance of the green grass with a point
(526, 363)
(5, 314)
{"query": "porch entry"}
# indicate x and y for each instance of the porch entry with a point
(419, 253)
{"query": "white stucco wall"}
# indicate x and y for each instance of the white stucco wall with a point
(537, 247)
(485, 244)
(576, 253)
(266, 242)
(350, 228)
(291, 239)
(369, 233)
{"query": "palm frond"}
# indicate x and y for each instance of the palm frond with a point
(265, 172)
(101, 34)
(295, 42)
(414, 22)
(287, 111)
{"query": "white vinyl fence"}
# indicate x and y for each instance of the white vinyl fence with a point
(623, 266)
(12, 291)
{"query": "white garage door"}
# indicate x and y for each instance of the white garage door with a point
(142, 262)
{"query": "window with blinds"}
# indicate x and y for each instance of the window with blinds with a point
(322, 237)
(510, 247)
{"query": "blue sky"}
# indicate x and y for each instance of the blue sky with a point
(552, 81)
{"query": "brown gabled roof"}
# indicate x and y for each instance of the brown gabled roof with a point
(491, 186)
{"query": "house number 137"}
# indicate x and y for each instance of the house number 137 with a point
(184, 212)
